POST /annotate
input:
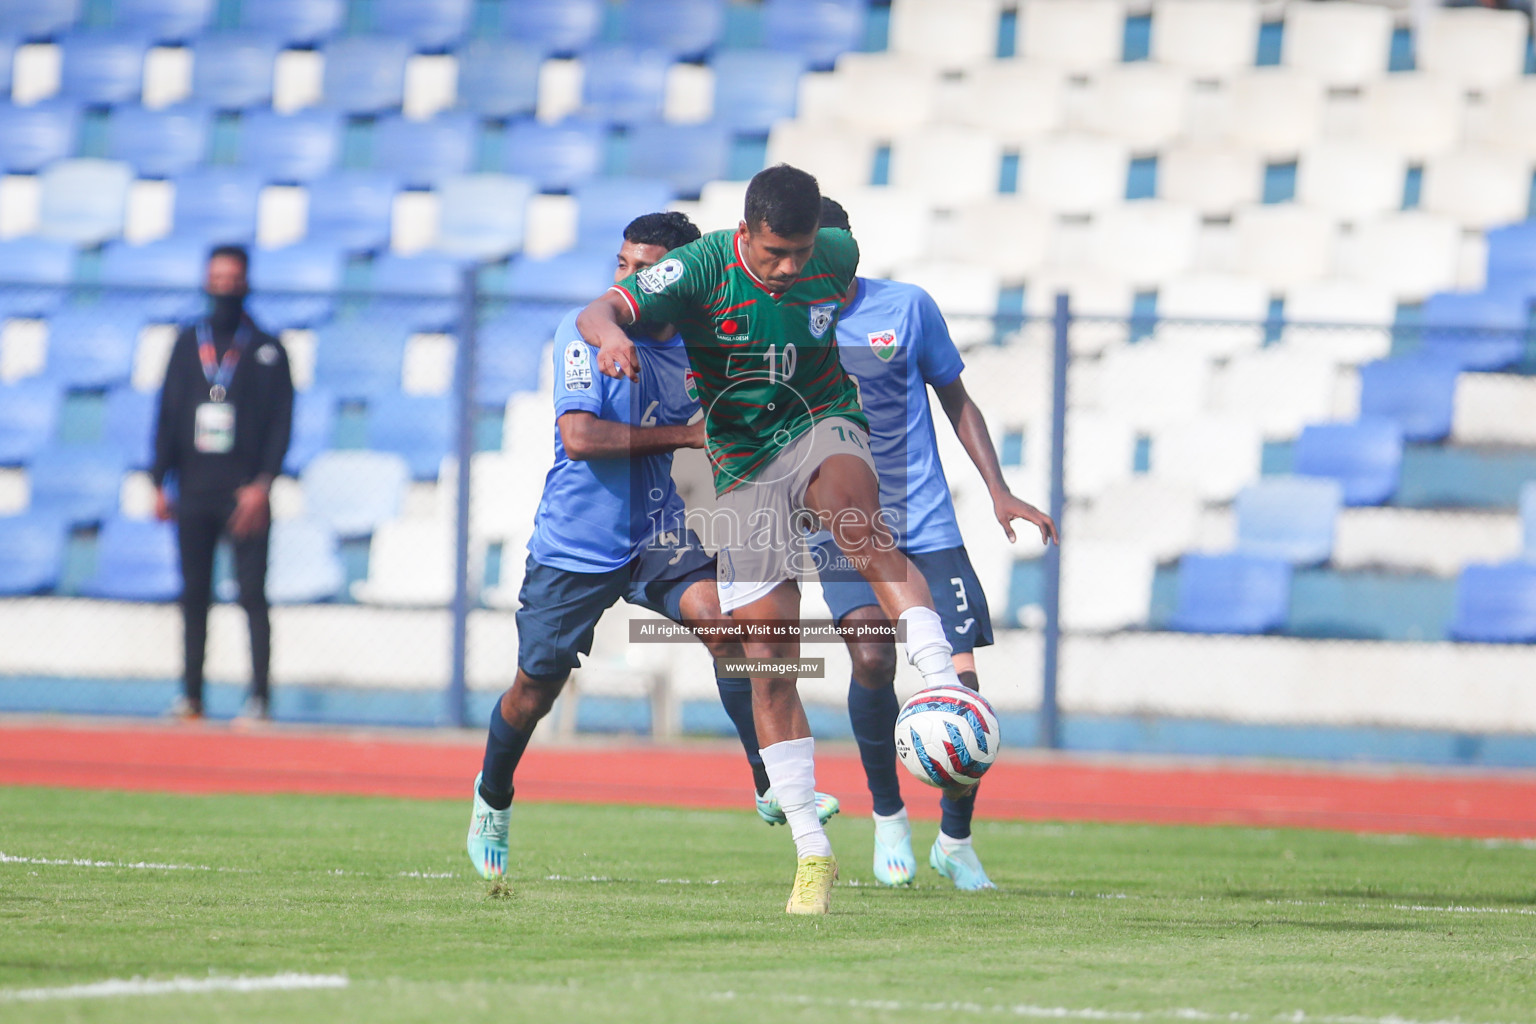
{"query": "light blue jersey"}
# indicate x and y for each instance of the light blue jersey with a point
(894, 343)
(597, 515)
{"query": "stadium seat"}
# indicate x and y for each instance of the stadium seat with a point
(1496, 604)
(1211, 38)
(294, 22)
(682, 29)
(1232, 593)
(365, 74)
(1215, 180)
(946, 164)
(101, 68)
(1291, 518)
(83, 201)
(231, 71)
(129, 423)
(559, 27)
(605, 206)
(1283, 245)
(1103, 449)
(31, 554)
(1418, 393)
(303, 564)
(686, 155)
(1413, 114)
(1512, 258)
(893, 227)
(509, 349)
(1340, 301)
(38, 19)
(37, 270)
(555, 156)
(482, 216)
(819, 30)
(876, 94)
(156, 281)
(1365, 457)
(358, 358)
(422, 290)
(162, 20)
(314, 419)
(1528, 520)
(29, 415)
(575, 277)
(1478, 48)
(421, 154)
(158, 143)
(967, 292)
(1145, 106)
(754, 89)
(1511, 121)
(1159, 516)
(1075, 35)
(1346, 45)
(843, 159)
(217, 204)
(1075, 174)
(136, 560)
(427, 24)
(1411, 253)
(33, 137)
(76, 484)
(1476, 330)
(1152, 385)
(290, 148)
(352, 492)
(1276, 112)
(88, 347)
(1478, 188)
(351, 209)
(418, 428)
(1145, 243)
(1350, 180)
(1241, 302)
(622, 85)
(1017, 102)
(1278, 389)
(301, 267)
(956, 33)
(1217, 455)
(1008, 234)
(498, 78)
(410, 564)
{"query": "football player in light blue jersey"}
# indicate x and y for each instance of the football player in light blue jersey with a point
(610, 525)
(894, 342)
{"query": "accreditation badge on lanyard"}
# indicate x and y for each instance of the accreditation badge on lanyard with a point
(213, 427)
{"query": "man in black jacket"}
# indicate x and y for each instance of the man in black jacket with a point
(226, 412)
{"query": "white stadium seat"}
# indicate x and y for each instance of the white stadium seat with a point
(1207, 37)
(1415, 114)
(1008, 234)
(966, 294)
(410, 563)
(1099, 449)
(1350, 180)
(1075, 173)
(956, 33)
(1220, 297)
(1337, 303)
(1150, 385)
(1015, 101)
(1105, 585)
(1091, 293)
(1213, 179)
(1477, 47)
(1495, 408)
(1158, 515)
(1278, 389)
(1143, 105)
(1283, 244)
(1412, 254)
(946, 165)
(839, 158)
(876, 93)
(892, 225)
(1510, 123)
(1217, 455)
(1145, 243)
(1076, 35)
(1342, 43)
(1478, 188)
(722, 203)
(1275, 111)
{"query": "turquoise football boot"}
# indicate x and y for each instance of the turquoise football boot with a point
(487, 842)
(959, 866)
(769, 810)
(894, 863)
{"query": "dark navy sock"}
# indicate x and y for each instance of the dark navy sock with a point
(873, 716)
(736, 697)
(503, 749)
(955, 815)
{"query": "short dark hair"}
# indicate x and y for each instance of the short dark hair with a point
(234, 252)
(833, 215)
(668, 230)
(786, 199)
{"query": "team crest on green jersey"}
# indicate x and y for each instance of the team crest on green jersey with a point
(821, 318)
(884, 344)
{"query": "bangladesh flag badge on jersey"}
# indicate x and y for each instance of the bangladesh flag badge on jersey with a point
(884, 344)
(733, 328)
(691, 385)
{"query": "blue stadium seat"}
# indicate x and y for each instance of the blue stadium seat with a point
(154, 282)
(755, 88)
(129, 423)
(38, 19)
(31, 554)
(89, 347)
(555, 156)
(1512, 258)
(101, 68)
(819, 30)
(158, 143)
(1289, 517)
(29, 415)
(40, 269)
(422, 291)
(217, 204)
(7, 56)
(294, 22)
(1232, 593)
(422, 153)
(136, 560)
(33, 137)
(1476, 330)
(301, 267)
(359, 357)
(163, 20)
(351, 209)
(83, 201)
(353, 492)
(509, 348)
(553, 26)
(606, 205)
(622, 85)
(1528, 519)
(418, 428)
(499, 78)
(482, 215)
(428, 24)
(76, 484)
(1496, 604)
(679, 28)
(1365, 457)
(687, 155)
(1418, 393)
(365, 74)
(233, 71)
(574, 277)
(303, 563)
(314, 418)
(290, 148)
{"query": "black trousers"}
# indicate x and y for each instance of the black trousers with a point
(198, 529)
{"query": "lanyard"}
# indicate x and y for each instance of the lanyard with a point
(220, 374)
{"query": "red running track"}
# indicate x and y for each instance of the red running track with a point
(214, 759)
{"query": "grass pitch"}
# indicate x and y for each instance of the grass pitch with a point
(630, 914)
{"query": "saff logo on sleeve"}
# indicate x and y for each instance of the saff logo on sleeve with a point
(578, 366)
(884, 344)
(821, 318)
(660, 277)
(733, 328)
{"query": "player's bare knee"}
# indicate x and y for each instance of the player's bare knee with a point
(529, 700)
(874, 665)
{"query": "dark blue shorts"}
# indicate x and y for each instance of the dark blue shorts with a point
(957, 593)
(559, 608)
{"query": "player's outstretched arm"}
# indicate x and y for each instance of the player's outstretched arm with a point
(971, 428)
(586, 436)
(602, 324)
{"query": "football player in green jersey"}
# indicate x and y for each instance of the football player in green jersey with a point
(789, 448)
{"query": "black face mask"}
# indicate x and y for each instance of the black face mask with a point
(224, 311)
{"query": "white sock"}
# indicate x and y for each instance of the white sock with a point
(928, 648)
(892, 828)
(951, 844)
(791, 767)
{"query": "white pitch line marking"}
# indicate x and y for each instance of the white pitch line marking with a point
(176, 986)
(83, 862)
(1411, 907)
